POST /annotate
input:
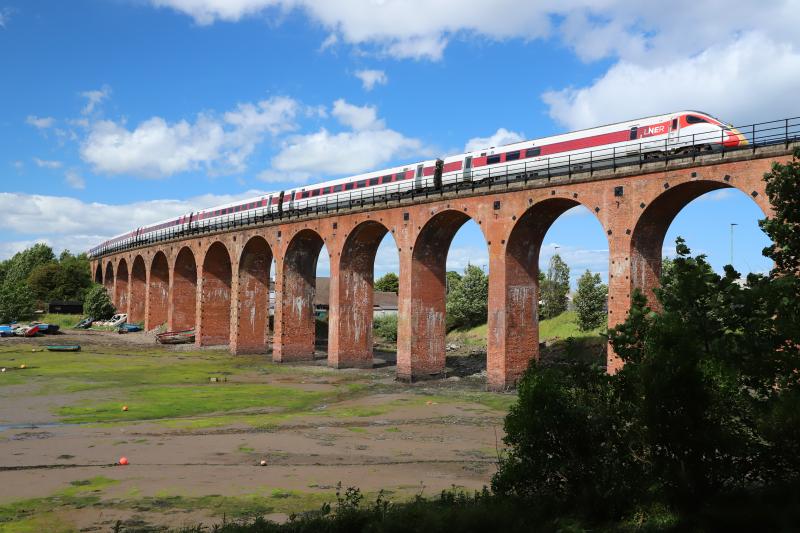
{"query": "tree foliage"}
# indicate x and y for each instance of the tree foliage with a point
(16, 302)
(706, 406)
(386, 327)
(590, 301)
(467, 301)
(98, 303)
(555, 288)
(389, 282)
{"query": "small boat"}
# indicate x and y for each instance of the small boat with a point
(114, 321)
(27, 331)
(85, 323)
(130, 328)
(64, 348)
(176, 337)
(6, 331)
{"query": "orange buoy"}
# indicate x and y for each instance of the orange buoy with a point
(123, 461)
(124, 407)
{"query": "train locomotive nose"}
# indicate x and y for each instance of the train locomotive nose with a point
(734, 138)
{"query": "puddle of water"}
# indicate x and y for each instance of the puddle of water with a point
(6, 427)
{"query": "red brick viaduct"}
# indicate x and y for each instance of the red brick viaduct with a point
(218, 282)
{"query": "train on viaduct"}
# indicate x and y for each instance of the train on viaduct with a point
(216, 279)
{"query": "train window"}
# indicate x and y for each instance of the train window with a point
(398, 176)
(634, 133)
(348, 185)
(361, 183)
(419, 171)
(387, 179)
(337, 188)
(533, 152)
(315, 192)
(493, 159)
(674, 124)
(373, 181)
(693, 119)
(512, 156)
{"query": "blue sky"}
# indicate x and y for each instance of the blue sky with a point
(116, 113)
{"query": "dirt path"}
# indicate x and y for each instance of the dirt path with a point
(375, 434)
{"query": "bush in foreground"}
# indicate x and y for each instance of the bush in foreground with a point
(98, 303)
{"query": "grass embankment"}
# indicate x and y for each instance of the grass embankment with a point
(563, 326)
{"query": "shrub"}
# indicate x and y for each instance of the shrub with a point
(98, 304)
(386, 327)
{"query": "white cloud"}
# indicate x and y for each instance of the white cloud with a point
(499, 138)
(41, 123)
(5, 15)
(369, 145)
(421, 29)
(343, 153)
(156, 148)
(721, 80)
(357, 117)
(19, 165)
(371, 78)
(329, 42)
(80, 225)
(43, 163)
(74, 180)
(578, 259)
(95, 98)
(716, 196)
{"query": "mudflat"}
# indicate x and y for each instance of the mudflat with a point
(199, 423)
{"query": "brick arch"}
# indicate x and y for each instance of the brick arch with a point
(108, 278)
(98, 273)
(513, 318)
(158, 291)
(352, 297)
(183, 295)
(294, 313)
(252, 303)
(138, 294)
(650, 229)
(422, 322)
(215, 297)
(121, 286)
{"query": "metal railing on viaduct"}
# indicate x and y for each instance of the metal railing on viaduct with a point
(215, 279)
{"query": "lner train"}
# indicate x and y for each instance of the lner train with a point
(604, 146)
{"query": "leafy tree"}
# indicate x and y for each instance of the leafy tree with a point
(98, 303)
(23, 263)
(16, 302)
(43, 280)
(706, 406)
(452, 280)
(555, 288)
(389, 282)
(590, 301)
(73, 279)
(467, 301)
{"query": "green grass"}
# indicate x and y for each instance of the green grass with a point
(38, 514)
(63, 321)
(563, 326)
(149, 403)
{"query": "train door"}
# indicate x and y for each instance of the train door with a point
(468, 168)
(418, 177)
(673, 137)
